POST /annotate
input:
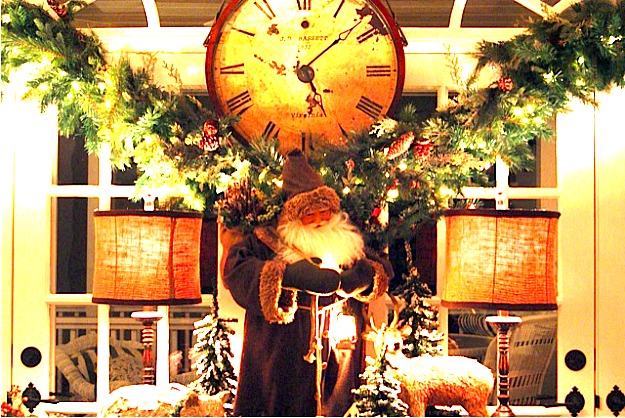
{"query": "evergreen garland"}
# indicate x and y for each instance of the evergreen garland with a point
(185, 153)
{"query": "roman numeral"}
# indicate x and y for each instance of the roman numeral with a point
(238, 103)
(369, 107)
(339, 8)
(232, 69)
(266, 9)
(343, 131)
(366, 35)
(271, 130)
(303, 4)
(378, 70)
(244, 32)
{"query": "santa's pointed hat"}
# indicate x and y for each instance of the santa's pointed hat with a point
(304, 188)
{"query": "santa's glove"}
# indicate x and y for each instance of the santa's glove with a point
(358, 278)
(306, 276)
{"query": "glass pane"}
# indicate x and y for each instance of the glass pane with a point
(182, 340)
(532, 352)
(73, 217)
(542, 171)
(126, 177)
(75, 353)
(118, 203)
(425, 104)
(126, 349)
(72, 161)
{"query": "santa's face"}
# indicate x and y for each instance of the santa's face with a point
(319, 235)
(316, 219)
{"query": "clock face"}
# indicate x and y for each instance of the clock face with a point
(304, 70)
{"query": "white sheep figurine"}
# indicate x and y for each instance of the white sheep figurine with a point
(434, 380)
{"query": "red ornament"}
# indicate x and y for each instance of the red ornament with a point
(423, 149)
(505, 84)
(376, 212)
(400, 146)
(350, 165)
(59, 9)
(209, 141)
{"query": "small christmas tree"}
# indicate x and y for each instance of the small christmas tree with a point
(211, 356)
(418, 314)
(379, 395)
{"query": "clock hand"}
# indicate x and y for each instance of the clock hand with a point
(306, 74)
(342, 36)
(317, 98)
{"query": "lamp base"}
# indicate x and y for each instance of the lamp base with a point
(503, 323)
(148, 318)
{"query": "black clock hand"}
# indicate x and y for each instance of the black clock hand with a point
(317, 98)
(342, 36)
(306, 74)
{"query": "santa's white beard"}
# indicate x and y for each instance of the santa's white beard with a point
(338, 238)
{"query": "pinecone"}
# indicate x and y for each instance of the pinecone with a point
(505, 84)
(400, 146)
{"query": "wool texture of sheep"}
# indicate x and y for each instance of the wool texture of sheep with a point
(443, 380)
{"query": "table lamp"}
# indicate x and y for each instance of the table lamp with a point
(147, 258)
(501, 260)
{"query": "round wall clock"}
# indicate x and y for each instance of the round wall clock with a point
(304, 70)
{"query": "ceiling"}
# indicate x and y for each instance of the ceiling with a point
(452, 14)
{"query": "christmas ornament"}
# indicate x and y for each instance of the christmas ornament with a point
(423, 149)
(209, 141)
(505, 84)
(59, 9)
(400, 146)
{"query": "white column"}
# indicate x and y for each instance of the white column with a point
(575, 156)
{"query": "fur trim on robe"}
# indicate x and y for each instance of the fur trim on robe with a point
(278, 305)
(380, 283)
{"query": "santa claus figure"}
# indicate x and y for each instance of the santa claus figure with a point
(313, 255)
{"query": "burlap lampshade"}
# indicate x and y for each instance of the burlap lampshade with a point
(501, 259)
(147, 257)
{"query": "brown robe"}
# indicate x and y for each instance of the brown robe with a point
(274, 379)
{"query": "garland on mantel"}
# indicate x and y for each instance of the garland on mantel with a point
(186, 155)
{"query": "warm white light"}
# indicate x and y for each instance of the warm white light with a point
(343, 331)
(328, 262)
(392, 194)
(346, 190)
